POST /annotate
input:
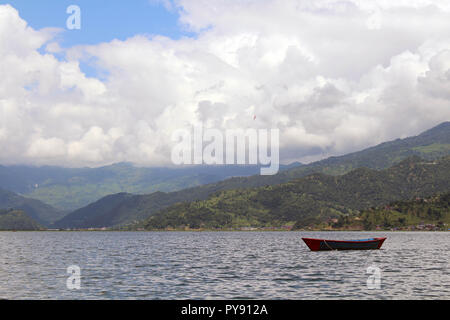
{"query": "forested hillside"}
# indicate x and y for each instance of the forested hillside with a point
(309, 200)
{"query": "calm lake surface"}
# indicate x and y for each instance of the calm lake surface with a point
(220, 265)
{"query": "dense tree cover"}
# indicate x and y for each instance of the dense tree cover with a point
(430, 144)
(310, 200)
(418, 213)
(14, 220)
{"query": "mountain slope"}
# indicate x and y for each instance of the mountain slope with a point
(17, 221)
(105, 204)
(123, 208)
(41, 212)
(309, 200)
(405, 215)
(430, 145)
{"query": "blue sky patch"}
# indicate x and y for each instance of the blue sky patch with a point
(102, 20)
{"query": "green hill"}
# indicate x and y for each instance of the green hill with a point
(432, 213)
(431, 144)
(41, 212)
(13, 220)
(309, 200)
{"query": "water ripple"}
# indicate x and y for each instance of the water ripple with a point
(220, 265)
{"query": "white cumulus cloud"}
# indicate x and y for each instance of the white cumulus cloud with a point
(333, 76)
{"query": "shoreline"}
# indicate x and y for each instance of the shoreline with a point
(224, 230)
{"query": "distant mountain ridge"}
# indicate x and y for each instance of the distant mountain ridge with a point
(430, 145)
(72, 188)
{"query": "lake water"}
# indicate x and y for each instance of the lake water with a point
(221, 265)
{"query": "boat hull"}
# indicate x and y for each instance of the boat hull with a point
(327, 245)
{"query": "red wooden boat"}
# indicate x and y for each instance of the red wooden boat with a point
(362, 244)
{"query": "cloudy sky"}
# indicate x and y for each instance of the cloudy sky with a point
(332, 76)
